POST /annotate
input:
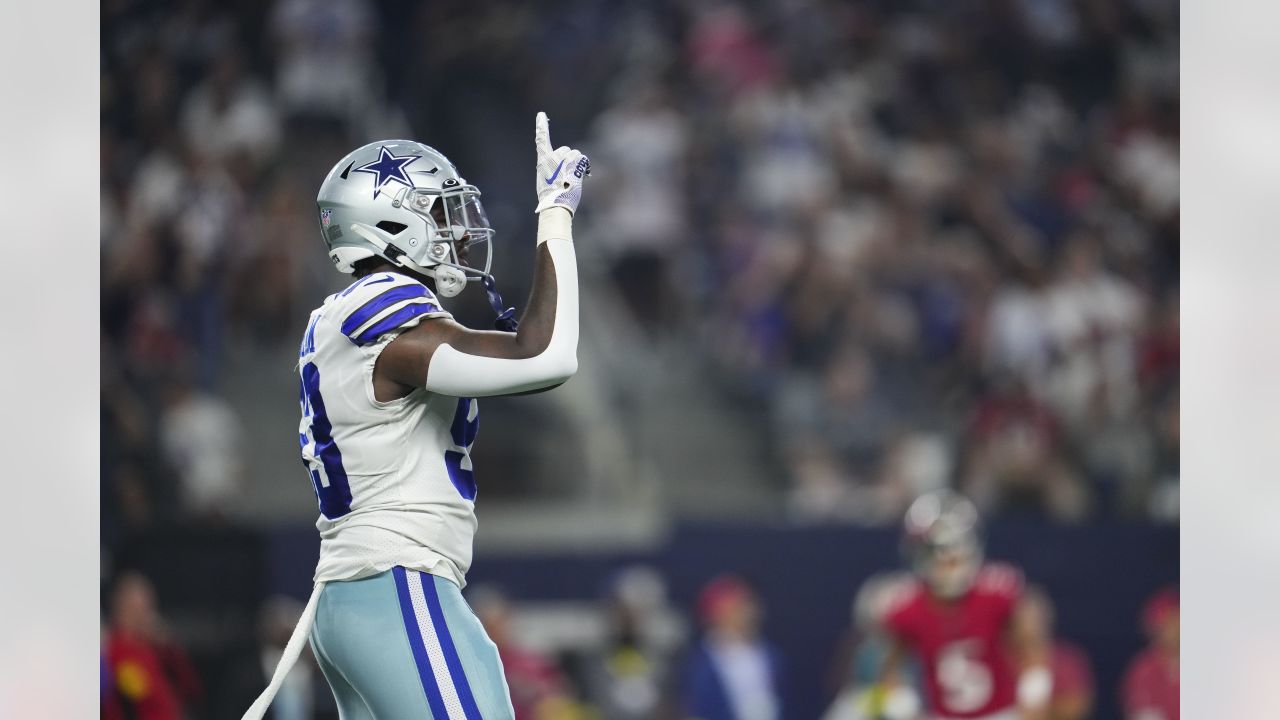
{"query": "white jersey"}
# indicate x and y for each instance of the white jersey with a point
(393, 479)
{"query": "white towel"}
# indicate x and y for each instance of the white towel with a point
(291, 652)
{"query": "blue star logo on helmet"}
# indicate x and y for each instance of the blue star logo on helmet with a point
(388, 167)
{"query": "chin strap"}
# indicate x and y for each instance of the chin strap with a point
(506, 320)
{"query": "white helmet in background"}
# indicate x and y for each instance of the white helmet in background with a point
(942, 539)
(405, 202)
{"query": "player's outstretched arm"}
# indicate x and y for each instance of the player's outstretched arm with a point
(1030, 640)
(877, 696)
(447, 358)
(450, 359)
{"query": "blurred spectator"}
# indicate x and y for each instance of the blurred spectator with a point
(1015, 457)
(641, 212)
(733, 672)
(108, 698)
(821, 487)
(304, 689)
(151, 678)
(858, 669)
(201, 435)
(304, 695)
(1073, 688)
(1164, 495)
(846, 410)
(1158, 355)
(536, 683)
(1093, 318)
(268, 282)
(229, 117)
(725, 50)
(325, 65)
(1151, 683)
(629, 677)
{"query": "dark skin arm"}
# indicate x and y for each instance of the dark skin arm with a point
(889, 673)
(892, 662)
(1028, 635)
(402, 365)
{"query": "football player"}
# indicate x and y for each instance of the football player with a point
(957, 617)
(389, 383)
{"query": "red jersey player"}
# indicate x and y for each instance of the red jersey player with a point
(956, 617)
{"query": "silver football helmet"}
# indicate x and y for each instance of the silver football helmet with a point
(942, 539)
(405, 202)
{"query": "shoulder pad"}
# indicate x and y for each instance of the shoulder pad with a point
(383, 303)
(898, 594)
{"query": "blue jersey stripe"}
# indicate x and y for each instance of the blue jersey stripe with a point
(464, 432)
(463, 480)
(464, 428)
(309, 337)
(394, 320)
(335, 499)
(381, 302)
(434, 699)
(451, 659)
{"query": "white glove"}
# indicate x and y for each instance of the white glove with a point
(560, 171)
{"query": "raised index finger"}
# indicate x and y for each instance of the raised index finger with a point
(542, 134)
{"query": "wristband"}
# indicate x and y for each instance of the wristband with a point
(555, 223)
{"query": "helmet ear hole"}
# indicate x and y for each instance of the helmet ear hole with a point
(391, 227)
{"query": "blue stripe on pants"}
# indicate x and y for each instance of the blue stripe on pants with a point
(376, 641)
(434, 699)
(450, 652)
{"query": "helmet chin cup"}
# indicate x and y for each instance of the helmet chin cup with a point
(449, 280)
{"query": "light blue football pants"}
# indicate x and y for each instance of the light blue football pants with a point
(403, 645)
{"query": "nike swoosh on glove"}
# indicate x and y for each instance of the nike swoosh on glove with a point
(560, 171)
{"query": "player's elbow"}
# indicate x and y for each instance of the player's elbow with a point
(551, 375)
(563, 368)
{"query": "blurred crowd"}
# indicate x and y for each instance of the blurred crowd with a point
(934, 242)
(629, 654)
(940, 238)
